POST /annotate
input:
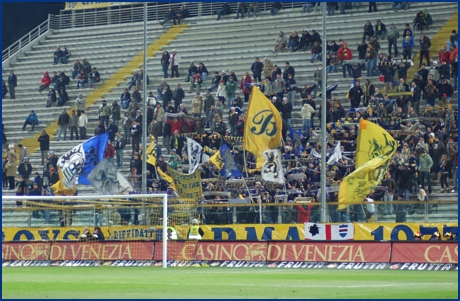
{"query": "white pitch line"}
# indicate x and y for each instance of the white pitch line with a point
(303, 285)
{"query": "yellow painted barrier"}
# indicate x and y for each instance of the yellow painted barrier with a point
(437, 42)
(249, 232)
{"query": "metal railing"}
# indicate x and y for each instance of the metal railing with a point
(25, 40)
(125, 14)
(220, 213)
(135, 13)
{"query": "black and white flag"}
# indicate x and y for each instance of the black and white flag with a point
(194, 150)
(272, 170)
(107, 180)
(336, 156)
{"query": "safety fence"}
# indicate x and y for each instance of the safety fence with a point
(220, 212)
(120, 14)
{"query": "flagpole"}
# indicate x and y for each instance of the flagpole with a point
(245, 164)
(323, 120)
(144, 118)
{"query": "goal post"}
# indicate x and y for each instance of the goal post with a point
(77, 212)
(165, 232)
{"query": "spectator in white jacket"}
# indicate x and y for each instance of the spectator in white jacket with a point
(175, 60)
(306, 112)
(221, 93)
(82, 123)
(81, 104)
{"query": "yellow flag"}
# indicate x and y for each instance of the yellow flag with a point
(59, 188)
(152, 159)
(373, 141)
(357, 185)
(375, 149)
(165, 176)
(263, 124)
(216, 159)
(187, 185)
(152, 151)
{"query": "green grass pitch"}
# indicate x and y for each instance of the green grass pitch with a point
(253, 283)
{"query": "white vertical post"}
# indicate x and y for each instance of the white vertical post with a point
(165, 230)
(144, 119)
(260, 210)
(323, 120)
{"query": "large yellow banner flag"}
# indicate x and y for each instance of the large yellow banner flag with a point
(187, 185)
(373, 141)
(263, 124)
(380, 148)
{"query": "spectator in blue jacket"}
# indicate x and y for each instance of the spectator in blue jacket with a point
(94, 77)
(256, 69)
(65, 55)
(125, 99)
(225, 10)
(181, 14)
(12, 84)
(276, 6)
(32, 119)
(169, 16)
(133, 81)
(407, 45)
(203, 71)
(57, 55)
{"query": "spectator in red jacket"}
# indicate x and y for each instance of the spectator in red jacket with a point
(344, 54)
(444, 54)
(176, 124)
(110, 152)
(303, 213)
(246, 79)
(45, 82)
(453, 54)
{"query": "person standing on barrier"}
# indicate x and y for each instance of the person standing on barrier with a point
(86, 234)
(449, 236)
(436, 236)
(370, 207)
(172, 233)
(425, 164)
(195, 232)
(97, 234)
(400, 210)
(390, 185)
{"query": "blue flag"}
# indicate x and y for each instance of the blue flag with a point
(94, 150)
(295, 136)
(76, 164)
(230, 169)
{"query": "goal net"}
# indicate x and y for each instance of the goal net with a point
(151, 227)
